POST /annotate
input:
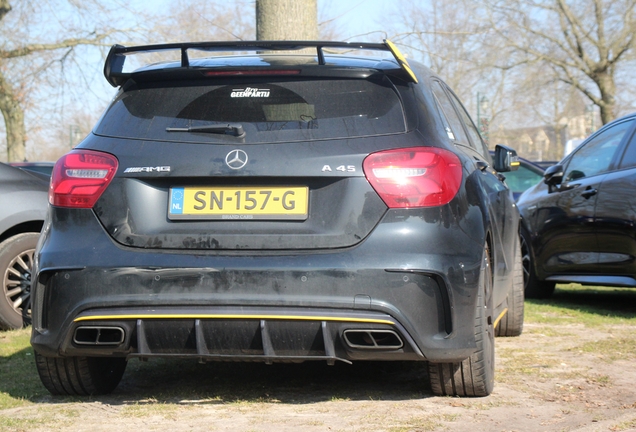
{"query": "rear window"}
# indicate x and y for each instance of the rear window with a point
(269, 111)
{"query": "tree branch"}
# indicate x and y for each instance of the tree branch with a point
(570, 79)
(66, 43)
(570, 24)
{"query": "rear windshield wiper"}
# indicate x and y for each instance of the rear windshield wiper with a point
(222, 129)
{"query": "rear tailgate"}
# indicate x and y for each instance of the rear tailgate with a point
(283, 170)
(340, 207)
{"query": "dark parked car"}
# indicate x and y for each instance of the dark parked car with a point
(579, 224)
(23, 206)
(40, 167)
(277, 208)
(527, 174)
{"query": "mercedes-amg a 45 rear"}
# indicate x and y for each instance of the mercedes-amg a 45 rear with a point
(277, 207)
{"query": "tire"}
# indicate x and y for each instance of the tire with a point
(16, 260)
(80, 376)
(511, 324)
(474, 376)
(533, 287)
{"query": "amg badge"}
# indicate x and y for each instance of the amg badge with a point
(147, 169)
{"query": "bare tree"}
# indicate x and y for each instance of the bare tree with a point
(583, 43)
(215, 20)
(42, 59)
(206, 20)
(286, 19)
(443, 35)
(447, 36)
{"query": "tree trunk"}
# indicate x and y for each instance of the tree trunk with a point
(11, 110)
(5, 8)
(607, 89)
(286, 19)
(13, 122)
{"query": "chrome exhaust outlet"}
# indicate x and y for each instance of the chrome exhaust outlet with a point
(373, 339)
(98, 335)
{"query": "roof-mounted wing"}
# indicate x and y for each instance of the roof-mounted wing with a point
(114, 65)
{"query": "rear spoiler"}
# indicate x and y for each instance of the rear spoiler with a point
(114, 65)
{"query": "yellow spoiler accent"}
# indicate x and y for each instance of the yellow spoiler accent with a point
(232, 316)
(401, 59)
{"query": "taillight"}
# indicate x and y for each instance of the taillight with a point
(414, 177)
(80, 177)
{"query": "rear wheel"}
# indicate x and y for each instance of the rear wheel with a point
(80, 376)
(512, 322)
(533, 287)
(16, 260)
(474, 376)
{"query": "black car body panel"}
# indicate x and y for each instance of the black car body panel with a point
(582, 229)
(23, 199)
(42, 168)
(352, 279)
(370, 277)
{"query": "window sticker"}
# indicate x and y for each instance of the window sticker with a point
(250, 92)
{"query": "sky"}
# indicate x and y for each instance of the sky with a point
(358, 17)
(352, 17)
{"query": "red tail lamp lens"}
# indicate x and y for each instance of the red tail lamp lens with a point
(414, 177)
(79, 178)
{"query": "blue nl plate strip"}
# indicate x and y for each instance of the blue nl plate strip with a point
(176, 201)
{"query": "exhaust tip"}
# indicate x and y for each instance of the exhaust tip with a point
(97, 335)
(373, 339)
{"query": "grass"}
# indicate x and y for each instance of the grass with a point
(608, 313)
(19, 383)
(427, 423)
(623, 426)
(588, 306)
(611, 348)
(148, 409)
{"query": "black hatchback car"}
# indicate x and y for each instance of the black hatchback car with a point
(277, 207)
(578, 225)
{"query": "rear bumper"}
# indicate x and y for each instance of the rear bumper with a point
(419, 292)
(238, 334)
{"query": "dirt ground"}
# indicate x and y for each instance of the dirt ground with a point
(561, 378)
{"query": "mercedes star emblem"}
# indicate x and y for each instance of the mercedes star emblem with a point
(236, 159)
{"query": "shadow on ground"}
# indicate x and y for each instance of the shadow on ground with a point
(186, 381)
(178, 380)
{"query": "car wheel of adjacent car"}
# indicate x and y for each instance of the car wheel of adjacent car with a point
(81, 376)
(474, 376)
(16, 259)
(511, 324)
(533, 287)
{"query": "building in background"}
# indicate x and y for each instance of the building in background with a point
(551, 142)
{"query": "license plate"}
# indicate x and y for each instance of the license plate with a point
(239, 203)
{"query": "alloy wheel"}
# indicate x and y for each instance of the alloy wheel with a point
(17, 282)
